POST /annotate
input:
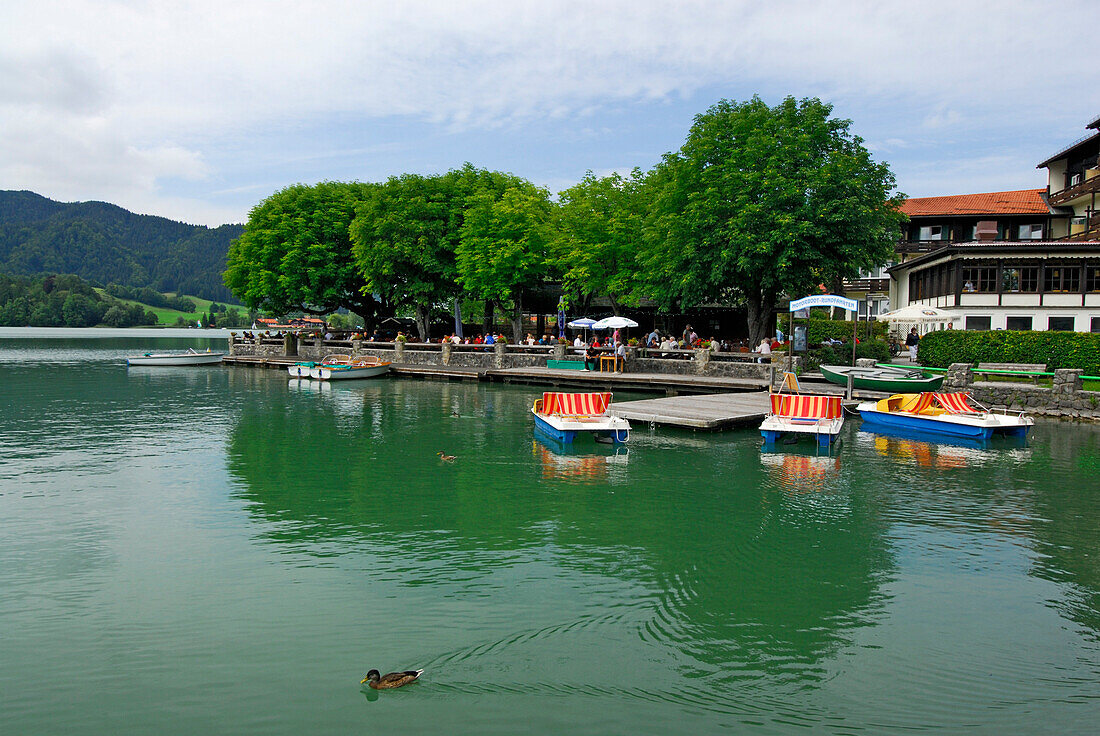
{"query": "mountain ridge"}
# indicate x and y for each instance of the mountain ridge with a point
(106, 243)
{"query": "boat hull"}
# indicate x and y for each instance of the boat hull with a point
(824, 431)
(976, 427)
(615, 429)
(880, 379)
(175, 359)
(337, 373)
(301, 370)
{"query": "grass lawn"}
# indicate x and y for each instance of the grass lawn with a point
(169, 316)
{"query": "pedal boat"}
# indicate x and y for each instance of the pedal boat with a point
(944, 414)
(563, 416)
(803, 414)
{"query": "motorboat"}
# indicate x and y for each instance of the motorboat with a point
(191, 357)
(563, 416)
(943, 414)
(803, 414)
(890, 379)
(364, 367)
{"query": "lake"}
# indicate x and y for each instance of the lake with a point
(225, 550)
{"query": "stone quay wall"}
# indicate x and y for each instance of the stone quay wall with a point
(1065, 398)
(678, 362)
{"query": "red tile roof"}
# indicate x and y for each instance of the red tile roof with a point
(1021, 202)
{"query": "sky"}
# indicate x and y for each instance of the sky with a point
(198, 110)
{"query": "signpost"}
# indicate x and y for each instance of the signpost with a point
(823, 300)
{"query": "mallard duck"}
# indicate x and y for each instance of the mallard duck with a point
(445, 457)
(391, 680)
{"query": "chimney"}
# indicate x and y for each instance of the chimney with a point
(986, 230)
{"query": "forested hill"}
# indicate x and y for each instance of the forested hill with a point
(104, 243)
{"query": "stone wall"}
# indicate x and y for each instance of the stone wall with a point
(699, 363)
(1065, 398)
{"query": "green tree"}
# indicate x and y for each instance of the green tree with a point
(599, 225)
(79, 310)
(295, 254)
(405, 235)
(503, 250)
(763, 201)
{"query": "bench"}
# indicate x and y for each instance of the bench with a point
(1010, 369)
(566, 365)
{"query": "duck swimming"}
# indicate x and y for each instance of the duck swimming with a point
(393, 679)
(447, 458)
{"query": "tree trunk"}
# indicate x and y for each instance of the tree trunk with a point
(422, 321)
(517, 318)
(759, 307)
(614, 304)
(490, 316)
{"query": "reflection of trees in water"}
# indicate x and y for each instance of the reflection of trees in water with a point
(735, 573)
(1066, 526)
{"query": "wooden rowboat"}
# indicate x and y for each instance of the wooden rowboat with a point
(891, 380)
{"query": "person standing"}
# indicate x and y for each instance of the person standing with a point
(912, 340)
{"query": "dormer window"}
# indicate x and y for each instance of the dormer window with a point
(931, 232)
(1031, 232)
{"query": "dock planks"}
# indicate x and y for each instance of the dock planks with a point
(705, 411)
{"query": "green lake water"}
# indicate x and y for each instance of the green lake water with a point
(225, 550)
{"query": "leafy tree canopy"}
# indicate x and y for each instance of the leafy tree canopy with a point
(295, 254)
(762, 201)
(599, 225)
(406, 232)
(503, 250)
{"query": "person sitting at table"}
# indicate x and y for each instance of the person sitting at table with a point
(589, 358)
(620, 357)
(765, 349)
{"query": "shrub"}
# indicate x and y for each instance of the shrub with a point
(818, 330)
(1056, 349)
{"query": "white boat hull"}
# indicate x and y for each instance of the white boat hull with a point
(175, 359)
(565, 429)
(336, 373)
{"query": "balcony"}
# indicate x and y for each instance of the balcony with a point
(1090, 185)
(922, 246)
(1089, 230)
(871, 286)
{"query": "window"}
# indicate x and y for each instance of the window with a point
(1061, 279)
(1095, 325)
(1063, 324)
(1031, 232)
(1024, 279)
(1092, 279)
(978, 323)
(931, 232)
(1018, 323)
(979, 279)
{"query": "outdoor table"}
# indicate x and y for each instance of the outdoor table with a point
(613, 360)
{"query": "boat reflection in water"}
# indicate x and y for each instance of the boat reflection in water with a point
(801, 469)
(565, 461)
(937, 451)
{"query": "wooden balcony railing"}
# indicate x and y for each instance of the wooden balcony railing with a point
(1088, 186)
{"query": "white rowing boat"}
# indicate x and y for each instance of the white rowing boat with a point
(191, 357)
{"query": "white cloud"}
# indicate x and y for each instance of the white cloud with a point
(106, 97)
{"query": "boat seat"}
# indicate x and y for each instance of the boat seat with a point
(575, 405)
(956, 403)
(807, 408)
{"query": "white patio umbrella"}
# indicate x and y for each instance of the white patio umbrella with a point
(582, 323)
(614, 323)
(919, 314)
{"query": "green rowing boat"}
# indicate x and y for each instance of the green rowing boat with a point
(898, 380)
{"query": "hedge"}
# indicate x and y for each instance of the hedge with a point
(1056, 349)
(842, 354)
(818, 330)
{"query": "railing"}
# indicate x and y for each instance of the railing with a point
(1069, 193)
